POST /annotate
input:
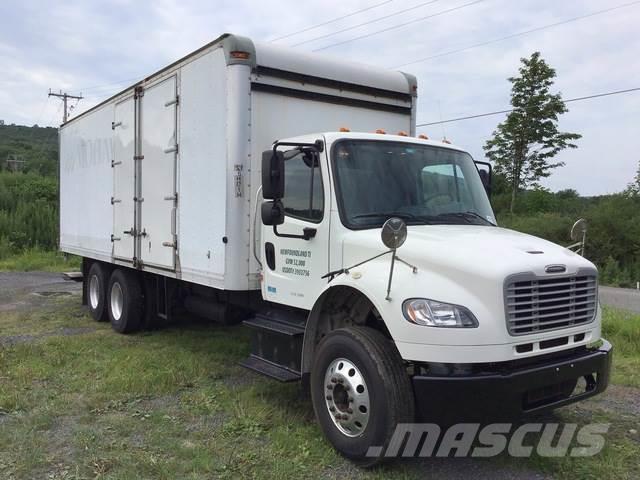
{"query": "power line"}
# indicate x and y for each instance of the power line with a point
(399, 25)
(518, 34)
(498, 112)
(108, 85)
(329, 21)
(364, 23)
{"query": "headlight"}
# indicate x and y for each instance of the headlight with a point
(431, 313)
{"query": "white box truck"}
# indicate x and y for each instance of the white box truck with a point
(229, 185)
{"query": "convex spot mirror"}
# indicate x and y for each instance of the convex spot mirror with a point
(272, 174)
(394, 233)
(578, 230)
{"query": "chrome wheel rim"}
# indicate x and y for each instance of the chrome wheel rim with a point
(94, 292)
(117, 301)
(346, 397)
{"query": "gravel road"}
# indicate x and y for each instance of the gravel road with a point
(624, 298)
(16, 288)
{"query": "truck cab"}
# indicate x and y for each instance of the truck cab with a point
(460, 314)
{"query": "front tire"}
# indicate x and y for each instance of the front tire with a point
(360, 392)
(125, 301)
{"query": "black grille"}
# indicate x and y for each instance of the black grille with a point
(540, 304)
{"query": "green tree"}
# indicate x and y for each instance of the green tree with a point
(633, 189)
(524, 144)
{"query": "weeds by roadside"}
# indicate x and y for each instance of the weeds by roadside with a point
(35, 259)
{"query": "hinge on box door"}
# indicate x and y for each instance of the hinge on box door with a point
(115, 124)
(138, 92)
(115, 200)
(237, 179)
(172, 198)
(171, 149)
(114, 163)
(114, 238)
(138, 157)
(175, 101)
(169, 244)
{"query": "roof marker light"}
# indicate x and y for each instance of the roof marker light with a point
(422, 136)
(402, 133)
(240, 55)
(344, 129)
(381, 131)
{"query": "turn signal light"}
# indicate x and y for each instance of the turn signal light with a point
(380, 131)
(240, 55)
(344, 129)
(402, 133)
(422, 136)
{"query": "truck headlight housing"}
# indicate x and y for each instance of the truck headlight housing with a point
(432, 313)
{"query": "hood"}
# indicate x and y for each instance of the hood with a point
(482, 251)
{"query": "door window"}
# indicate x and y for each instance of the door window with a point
(303, 193)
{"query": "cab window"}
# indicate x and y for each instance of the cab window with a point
(303, 192)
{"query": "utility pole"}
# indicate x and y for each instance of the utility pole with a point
(65, 96)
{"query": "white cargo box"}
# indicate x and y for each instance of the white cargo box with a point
(164, 175)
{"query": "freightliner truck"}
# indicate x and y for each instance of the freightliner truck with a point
(249, 182)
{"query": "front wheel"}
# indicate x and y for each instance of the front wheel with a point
(360, 392)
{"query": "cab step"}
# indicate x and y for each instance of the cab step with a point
(260, 365)
(276, 345)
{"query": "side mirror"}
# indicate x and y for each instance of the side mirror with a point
(272, 175)
(272, 212)
(485, 171)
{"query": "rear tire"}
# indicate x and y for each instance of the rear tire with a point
(358, 376)
(125, 302)
(96, 292)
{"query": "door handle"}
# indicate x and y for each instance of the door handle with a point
(307, 233)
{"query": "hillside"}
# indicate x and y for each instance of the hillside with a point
(37, 146)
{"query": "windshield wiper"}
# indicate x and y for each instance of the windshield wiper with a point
(406, 216)
(467, 216)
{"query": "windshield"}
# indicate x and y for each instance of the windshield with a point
(421, 184)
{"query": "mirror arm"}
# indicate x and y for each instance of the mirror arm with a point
(318, 145)
(413, 268)
(307, 233)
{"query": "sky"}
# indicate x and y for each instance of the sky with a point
(97, 48)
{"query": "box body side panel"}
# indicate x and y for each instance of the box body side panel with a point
(202, 170)
(86, 185)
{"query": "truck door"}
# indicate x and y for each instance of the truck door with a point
(293, 267)
(159, 147)
(123, 164)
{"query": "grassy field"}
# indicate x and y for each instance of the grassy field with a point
(79, 401)
(34, 259)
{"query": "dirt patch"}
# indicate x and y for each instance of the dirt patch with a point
(616, 399)
(53, 294)
(8, 340)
